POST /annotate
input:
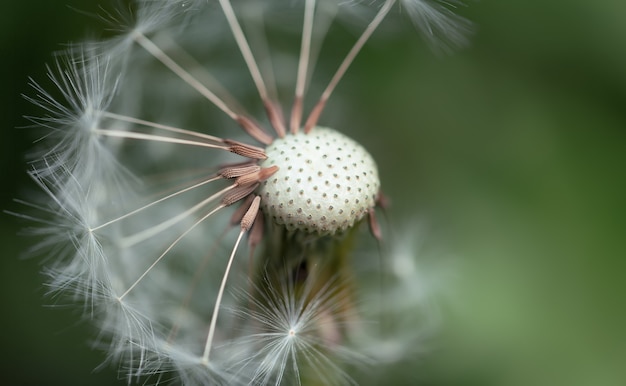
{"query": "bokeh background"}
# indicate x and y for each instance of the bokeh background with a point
(512, 152)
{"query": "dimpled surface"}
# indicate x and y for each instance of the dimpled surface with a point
(325, 183)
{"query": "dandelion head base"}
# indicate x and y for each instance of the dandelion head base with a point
(326, 182)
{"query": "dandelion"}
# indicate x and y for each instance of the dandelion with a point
(147, 206)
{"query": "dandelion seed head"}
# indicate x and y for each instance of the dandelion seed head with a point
(149, 200)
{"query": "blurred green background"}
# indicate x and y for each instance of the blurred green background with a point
(513, 151)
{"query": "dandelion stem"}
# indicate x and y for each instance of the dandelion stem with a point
(201, 73)
(156, 202)
(303, 62)
(323, 20)
(157, 138)
(244, 48)
(347, 61)
(271, 108)
(155, 51)
(254, 21)
(209, 341)
(169, 248)
(160, 126)
(258, 39)
(199, 271)
(246, 224)
(251, 128)
(147, 233)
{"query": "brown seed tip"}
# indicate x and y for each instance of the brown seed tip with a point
(237, 194)
(374, 225)
(266, 173)
(256, 176)
(276, 117)
(314, 116)
(296, 115)
(238, 214)
(254, 130)
(245, 150)
(248, 218)
(238, 171)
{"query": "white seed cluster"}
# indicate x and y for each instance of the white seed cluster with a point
(325, 183)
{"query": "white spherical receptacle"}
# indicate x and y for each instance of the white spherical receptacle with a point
(326, 182)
